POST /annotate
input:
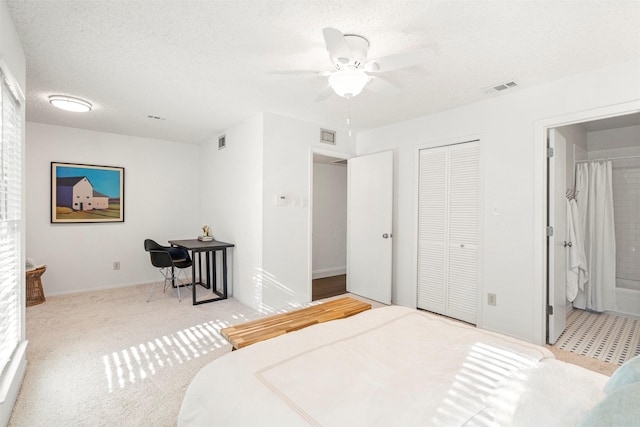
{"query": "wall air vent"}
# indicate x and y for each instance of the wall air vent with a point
(222, 142)
(328, 136)
(500, 87)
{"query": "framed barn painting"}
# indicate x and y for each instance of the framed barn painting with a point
(86, 193)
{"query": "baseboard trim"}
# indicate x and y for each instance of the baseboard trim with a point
(100, 288)
(328, 272)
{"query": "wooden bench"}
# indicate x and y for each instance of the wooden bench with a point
(262, 329)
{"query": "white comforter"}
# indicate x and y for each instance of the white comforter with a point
(390, 366)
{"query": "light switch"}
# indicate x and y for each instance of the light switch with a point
(281, 200)
(491, 299)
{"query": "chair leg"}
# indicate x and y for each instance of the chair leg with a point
(164, 273)
(167, 277)
(170, 276)
(179, 283)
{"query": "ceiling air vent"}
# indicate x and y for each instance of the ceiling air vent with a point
(328, 136)
(222, 142)
(500, 87)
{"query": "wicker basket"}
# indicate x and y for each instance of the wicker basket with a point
(35, 293)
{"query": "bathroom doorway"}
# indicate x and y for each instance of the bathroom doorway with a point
(607, 332)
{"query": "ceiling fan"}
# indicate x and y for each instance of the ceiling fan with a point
(353, 73)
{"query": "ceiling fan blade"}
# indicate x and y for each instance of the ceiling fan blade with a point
(337, 46)
(382, 86)
(299, 73)
(326, 93)
(398, 61)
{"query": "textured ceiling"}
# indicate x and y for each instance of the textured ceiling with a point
(204, 66)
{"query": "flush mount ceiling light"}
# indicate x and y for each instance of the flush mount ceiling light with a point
(69, 103)
(348, 83)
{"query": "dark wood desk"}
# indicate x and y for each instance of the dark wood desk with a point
(209, 280)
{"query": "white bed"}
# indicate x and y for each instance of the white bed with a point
(391, 366)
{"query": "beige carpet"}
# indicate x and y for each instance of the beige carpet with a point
(110, 358)
(590, 363)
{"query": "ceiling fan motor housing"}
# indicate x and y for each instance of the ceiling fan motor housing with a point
(359, 48)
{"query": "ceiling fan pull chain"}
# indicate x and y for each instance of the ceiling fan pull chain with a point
(349, 115)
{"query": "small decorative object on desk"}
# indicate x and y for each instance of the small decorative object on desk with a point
(206, 234)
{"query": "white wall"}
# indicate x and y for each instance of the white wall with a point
(11, 52)
(161, 198)
(513, 182)
(231, 203)
(329, 220)
(628, 136)
(13, 62)
(286, 229)
(266, 155)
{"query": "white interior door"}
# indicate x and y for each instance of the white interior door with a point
(433, 230)
(557, 267)
(464, 226)
(448, 230)
(370, 206)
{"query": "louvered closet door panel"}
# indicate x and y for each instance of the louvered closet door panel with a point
(464, 194)
(432, 240)
(462, 290)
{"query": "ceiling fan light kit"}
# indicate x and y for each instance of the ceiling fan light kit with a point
(69, 103)
(348, 83)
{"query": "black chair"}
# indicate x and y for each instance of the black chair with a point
(168, 259)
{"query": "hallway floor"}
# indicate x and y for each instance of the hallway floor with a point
(328, 287)
(603, 336)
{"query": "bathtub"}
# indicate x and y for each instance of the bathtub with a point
(628, 296)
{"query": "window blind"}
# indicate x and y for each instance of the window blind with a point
(10, 222)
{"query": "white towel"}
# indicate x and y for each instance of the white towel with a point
(577, 273)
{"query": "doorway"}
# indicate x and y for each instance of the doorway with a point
(592, 331)
(329, 227)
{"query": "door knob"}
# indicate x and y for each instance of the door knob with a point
(567, 244)
(385, 236)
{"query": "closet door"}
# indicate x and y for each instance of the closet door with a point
(463, 232)
(448, 224)
(432, 229)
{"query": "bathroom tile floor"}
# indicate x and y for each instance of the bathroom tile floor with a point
(603, 336)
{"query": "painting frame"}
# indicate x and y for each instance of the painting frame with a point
(84, 193)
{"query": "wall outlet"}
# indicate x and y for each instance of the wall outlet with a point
(116, 265)
(491, 299)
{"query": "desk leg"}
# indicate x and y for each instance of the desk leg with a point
(224, 273)
(208, 284)
(193, 276)
(215, 272)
